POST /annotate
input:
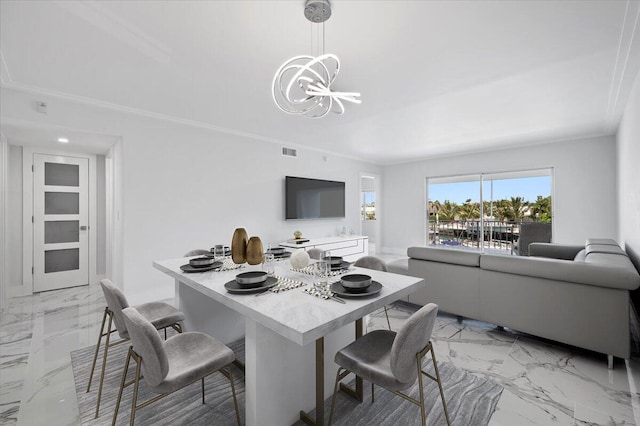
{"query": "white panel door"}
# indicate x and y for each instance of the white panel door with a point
(60, 222)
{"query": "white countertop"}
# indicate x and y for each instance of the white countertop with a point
(296, 315)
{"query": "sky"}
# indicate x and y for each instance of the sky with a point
(528, 188)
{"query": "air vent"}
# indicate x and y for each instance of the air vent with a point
(289, 152)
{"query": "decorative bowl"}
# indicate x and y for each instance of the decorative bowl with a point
(355, 282)
(201, 262)
(251, 279)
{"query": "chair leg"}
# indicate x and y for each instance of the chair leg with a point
(423, 415)
(95, 355)
(444, 402)
(335, 391)
(124, 377)
(104, 364)
(387, 315)
(134, 400)
(227, 372)
(372, 394)
(203, 391)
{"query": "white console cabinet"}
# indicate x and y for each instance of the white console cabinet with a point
(351, 247)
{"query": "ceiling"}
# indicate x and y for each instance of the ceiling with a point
(436, 77)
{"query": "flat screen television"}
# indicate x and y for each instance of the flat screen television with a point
(313, 198)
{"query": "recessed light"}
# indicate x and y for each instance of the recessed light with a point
(63, 140)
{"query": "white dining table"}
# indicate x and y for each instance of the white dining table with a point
(291, 337)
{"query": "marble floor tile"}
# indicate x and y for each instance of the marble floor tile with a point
(544, 383)
(37, 333)
(560, 377)
(515, 408)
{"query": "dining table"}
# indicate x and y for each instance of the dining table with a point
(291, 331)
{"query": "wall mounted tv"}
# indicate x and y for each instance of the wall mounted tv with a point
(313, 198)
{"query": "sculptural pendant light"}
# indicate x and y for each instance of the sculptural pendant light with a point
(302, 84)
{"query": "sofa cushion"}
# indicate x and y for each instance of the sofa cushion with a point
(609, 259)
(602, 248)
(581, 256)
(601, 241)
(455, 256)
(601, 275)
(554, 251)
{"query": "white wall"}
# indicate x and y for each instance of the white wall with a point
(584, 188)
(185, 187)
(628, 139)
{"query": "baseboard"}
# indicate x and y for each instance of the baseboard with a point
(18, 291)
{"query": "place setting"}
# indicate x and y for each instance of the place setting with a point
(219, 251)
(279, 253)
(201, 264)
(356, 286)
(337, 266)
(251, 282)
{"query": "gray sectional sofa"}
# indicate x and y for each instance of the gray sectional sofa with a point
(577, 295)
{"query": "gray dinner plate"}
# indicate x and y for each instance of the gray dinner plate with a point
(192, 269)
(344, 265)
(282, 255)
(372, 290)
(233, 287)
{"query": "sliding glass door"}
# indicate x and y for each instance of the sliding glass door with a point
(487, 210)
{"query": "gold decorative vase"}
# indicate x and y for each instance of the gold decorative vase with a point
(239, 246)
(254, 251)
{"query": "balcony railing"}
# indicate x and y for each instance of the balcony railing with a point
(488, 233)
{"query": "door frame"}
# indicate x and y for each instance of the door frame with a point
(27, 213)
(377, 189)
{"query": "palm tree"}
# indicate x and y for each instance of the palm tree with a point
(470, 210)
(516, 208)
(541, 208)
(433, 207)
(448, 210)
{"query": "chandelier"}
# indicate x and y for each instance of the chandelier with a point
(302, 84)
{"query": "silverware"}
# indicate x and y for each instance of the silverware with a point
(323, 295)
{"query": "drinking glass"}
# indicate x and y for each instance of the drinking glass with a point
(320, 271)
(324, 268)
(268, 264)
(218, 252)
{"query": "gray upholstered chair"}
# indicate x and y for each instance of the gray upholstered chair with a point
(160, 314)
(372, 262)
(197, 252)
(393, 360)
(533, 232)
(315, 253)
(171, 365)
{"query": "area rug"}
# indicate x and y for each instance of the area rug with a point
(471, 400)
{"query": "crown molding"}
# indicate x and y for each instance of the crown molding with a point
(38, 91)
(622, 76)
(515, 145)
